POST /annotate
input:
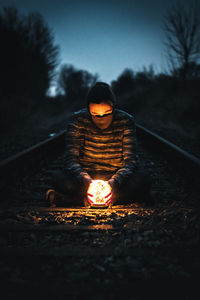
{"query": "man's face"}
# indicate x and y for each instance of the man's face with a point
(102, 114)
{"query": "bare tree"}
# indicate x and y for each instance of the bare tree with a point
(182, 32)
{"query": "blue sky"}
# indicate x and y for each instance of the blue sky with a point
(104, 37)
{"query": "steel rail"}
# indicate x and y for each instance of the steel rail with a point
(35, 227)
(185, 162)
(31, 159)
(117, 208)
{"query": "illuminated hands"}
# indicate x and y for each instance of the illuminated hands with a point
(99, 192)
(111, 183)
(87, 180)
(115, 186)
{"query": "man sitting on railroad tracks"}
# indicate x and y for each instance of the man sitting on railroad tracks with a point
(100, 144)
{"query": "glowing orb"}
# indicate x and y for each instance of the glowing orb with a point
(99, 193)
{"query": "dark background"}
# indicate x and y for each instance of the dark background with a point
(52, 53)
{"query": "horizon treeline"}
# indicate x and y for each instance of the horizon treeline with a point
(29, 65)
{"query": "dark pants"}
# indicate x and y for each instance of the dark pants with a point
(134, 189)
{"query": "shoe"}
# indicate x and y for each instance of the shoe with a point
(50, 197)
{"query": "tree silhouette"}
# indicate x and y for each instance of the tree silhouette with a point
(28, 55)
(28, 58)
(75, 84)
(182, 30)
(124, 83)
(145, 77)
(131, 85)
(193, 71)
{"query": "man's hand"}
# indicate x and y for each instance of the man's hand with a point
(113, 185)
(86, 183)
(115, 189)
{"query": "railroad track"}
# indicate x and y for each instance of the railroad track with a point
(109, 239)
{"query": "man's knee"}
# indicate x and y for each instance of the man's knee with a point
(64, 182)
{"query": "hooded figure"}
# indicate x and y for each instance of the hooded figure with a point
(101, 144)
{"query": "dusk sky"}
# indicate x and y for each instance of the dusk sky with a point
(104, 37)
